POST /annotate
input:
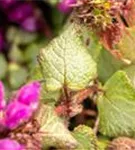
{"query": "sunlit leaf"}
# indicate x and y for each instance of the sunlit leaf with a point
(117, 107)
(65, 61)
(55, 133)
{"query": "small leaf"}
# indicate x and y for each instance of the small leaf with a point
(102, 142)
(17, 75)
(20, 36)
(54, 131)
(15, 54)
(126, 45)
(35, 73)
(102, 145)
(85, 137)
(3, 66)
(117, 107)
(32, 50)
(107, 65)
(91, 41)
(131, 73)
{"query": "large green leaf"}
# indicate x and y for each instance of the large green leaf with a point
(65, 61)
(117, 107)
(55, 133)
(85, 137)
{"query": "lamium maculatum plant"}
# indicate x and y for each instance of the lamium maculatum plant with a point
(85, 81)
(88, 71)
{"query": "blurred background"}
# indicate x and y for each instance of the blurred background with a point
(25, 27)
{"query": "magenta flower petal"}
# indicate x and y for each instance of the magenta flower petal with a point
(5, 4)
(29, 95)
(21, 12)
(2, 101)
(16, 113)
(30, 24)
(64, 5)
(8, 144)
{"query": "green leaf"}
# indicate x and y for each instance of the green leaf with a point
(65, 61)
(15, 54)
(35, 73)
(85, 137)
(18, 36)
(102, 145)
(107, 65)
(57, 20)
(126, 45)
(32, 50)
(55, 132)
(130, 70)
(91, 42)
(102, 142)
(48, 97)
(17, 75)
(117, 107)
(3, 66)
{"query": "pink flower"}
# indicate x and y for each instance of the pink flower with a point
(29, 95)
(30, 24)
(21, 12)
(64, 5)
(21, 108)
(2, 101)
(16, 113)
(8, 144)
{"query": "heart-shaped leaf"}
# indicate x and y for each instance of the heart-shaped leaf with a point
(55, 133)
(65, 61)
(117, 106)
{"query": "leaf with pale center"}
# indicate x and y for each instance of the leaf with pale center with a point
(117, 106)
(55, 133)
(65, 61)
